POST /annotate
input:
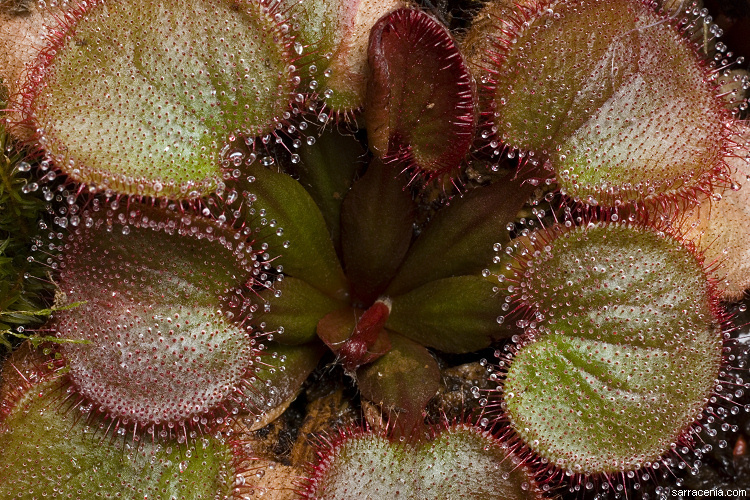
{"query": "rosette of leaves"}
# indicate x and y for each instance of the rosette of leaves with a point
(128, 96)
(356, 271)
(611, 96)
(380, 287)
(459, 461)
(36, 412)
(623, 348)
(357, 276)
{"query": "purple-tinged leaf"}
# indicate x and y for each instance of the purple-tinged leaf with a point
(377, 219)
(158, 337)
(326, 171)
(420, 94)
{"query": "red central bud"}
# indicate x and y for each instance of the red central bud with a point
(357, 337)
(356, 350)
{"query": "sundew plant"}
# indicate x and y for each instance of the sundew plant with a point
(345, 249)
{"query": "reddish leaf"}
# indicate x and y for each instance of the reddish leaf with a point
(336, 327)
(420, 94)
